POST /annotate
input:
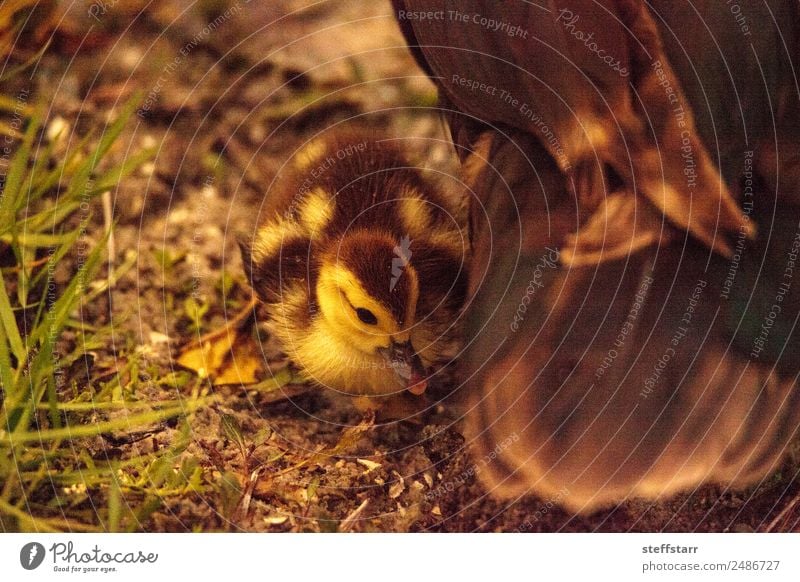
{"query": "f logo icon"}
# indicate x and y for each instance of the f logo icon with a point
(31, 555)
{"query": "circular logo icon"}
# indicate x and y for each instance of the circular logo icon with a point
(31, 555)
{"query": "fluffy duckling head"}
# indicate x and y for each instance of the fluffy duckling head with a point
(367, 293)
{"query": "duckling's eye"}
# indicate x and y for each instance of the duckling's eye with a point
(366, 316)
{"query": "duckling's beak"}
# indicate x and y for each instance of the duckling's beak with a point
(407, 365)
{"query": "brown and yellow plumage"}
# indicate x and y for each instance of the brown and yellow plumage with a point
(360, 265)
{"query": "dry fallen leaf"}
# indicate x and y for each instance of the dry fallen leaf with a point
(276, 519)
(370, 465)
(231, 357)
(397, 488)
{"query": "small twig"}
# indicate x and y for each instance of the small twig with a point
(296, 466)
(31, 265)
(233, 324)
(108, 222)
(129, 439)
(782, 515)
(351, 519)
(247, 497)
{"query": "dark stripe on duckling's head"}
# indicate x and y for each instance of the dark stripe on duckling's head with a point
(381, 264)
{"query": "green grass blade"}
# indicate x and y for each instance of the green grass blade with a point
(117, 173)
(62, 171)
(16, 175)
(6, 129)
(11, 72)
(56, 256)
(8, 323)
(6, 376)
(107, 426)
(70, 298)
(37, 239)
(112, 133)
(80, 184)
(13, 104)
(50, 218)
(114, 505)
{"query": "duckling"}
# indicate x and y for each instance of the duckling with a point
(360, 266)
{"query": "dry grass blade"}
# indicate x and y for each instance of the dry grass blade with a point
(782, 519)
(350, 520)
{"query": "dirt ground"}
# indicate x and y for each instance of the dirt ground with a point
(229, 91)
